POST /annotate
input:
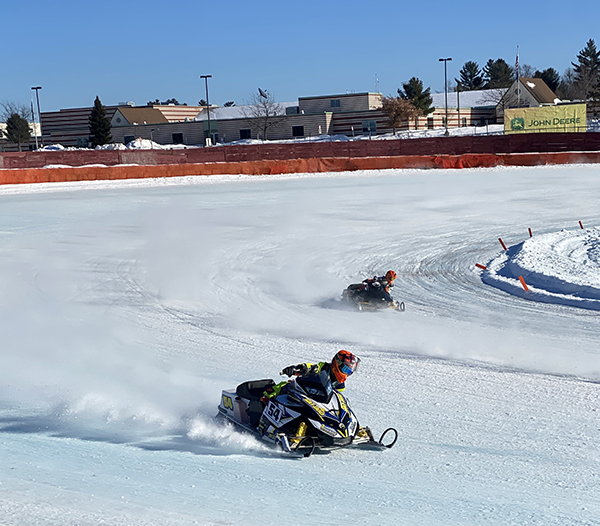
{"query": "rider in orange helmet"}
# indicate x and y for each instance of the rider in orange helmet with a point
(343, 364)
(379, 286)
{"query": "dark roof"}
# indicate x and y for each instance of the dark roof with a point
(539, 89)
(143, 114)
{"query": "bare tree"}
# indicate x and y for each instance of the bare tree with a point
(398, 111)
(567, 88)
(13, 108)
(527, 71)
(263, 114)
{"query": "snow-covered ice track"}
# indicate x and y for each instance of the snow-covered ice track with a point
(134, 317)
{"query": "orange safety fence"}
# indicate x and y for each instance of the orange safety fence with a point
(309, 165)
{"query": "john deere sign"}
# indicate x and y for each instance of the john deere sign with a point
(563, 118)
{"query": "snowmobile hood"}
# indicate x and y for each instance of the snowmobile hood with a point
(317, 386)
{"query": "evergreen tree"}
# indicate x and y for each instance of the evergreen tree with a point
(17, 130)
(498, 74)
(471, 77)
(99, 125)
(587, 72)
(420, 99)
(550, 76)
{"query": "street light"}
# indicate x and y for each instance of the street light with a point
(445, 61)
(206, 77)
(37, 96)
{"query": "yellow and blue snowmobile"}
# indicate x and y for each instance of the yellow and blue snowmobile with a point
(307, 415)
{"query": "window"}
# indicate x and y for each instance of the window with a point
(464, 122)
(369, 127)
(246, 134)
(128, 138)
(83, 142)
(297, 131)
(335, 103)
(178, 138)
(430, 123)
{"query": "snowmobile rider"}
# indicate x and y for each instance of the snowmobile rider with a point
(379, 287)
(344, 363)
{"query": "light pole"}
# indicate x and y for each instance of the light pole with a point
(206, 77)
(37, 96)
(445, 61)
(33, 117)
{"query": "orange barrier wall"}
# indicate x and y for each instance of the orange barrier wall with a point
(337, 164)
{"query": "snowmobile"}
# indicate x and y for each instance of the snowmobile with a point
(357, 295)
(308, 415)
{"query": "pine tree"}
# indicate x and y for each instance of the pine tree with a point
(550, 76)
(587, 72)
(471, 77)
(498, 74)
(17, 130)
(99, 125)
(420, 99)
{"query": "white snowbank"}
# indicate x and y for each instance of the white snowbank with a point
(560, 267)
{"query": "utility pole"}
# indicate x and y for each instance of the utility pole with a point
(33, 117)
(37, 96)
(445, 61)
(206, 77)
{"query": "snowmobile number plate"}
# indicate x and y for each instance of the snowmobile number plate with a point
(273, 413)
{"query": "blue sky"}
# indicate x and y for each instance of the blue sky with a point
(140, 51)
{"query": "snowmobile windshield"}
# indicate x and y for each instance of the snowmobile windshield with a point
(317, 386)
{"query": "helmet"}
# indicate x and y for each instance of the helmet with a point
(344, 363)
(390, 275)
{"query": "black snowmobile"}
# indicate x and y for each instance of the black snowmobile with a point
(307, 415)
(363, 297)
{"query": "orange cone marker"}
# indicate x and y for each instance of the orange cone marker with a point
(523, 283)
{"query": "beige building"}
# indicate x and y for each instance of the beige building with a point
(349, 114)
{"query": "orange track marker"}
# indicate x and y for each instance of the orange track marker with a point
(530, 234)
(580, 224)
(502, 243)
(481, 266)
(523, 283)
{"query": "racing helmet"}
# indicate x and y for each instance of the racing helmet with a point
(344, 363)
(390, 275)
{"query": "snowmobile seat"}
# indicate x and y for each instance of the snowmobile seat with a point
(254, 389)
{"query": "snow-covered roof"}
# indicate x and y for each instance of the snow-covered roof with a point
(469, 99)
(235, 112)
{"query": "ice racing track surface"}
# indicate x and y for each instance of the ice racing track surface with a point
(127, 308)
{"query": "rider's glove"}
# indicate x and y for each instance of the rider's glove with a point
(290, 371)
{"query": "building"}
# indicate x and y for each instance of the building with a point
(526, 93)
(70, 127)
(349, 114)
